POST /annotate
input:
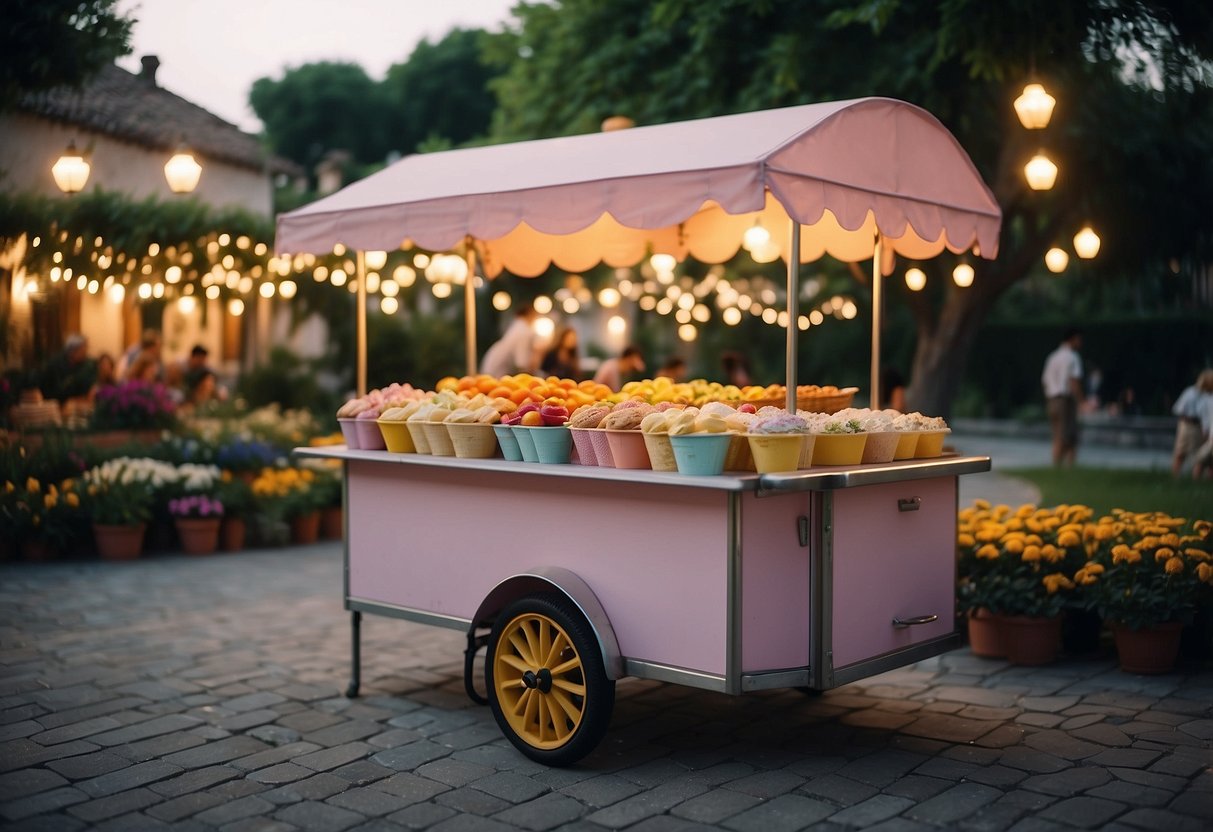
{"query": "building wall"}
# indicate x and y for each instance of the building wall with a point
(29, 146)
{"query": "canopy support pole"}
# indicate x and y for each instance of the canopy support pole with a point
(793, 310)
(877, 315)
(469, 308)
(360, 320)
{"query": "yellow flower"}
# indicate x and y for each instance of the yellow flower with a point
(1084, 577)
(1068, 538)
(1013, 545)
(1198, 554)
(1034, 525)
(50, 500)
(32, 484)
(1202, 527)
(9, 488)
(984, 505)
(988, 551)
(1163, 554)
(1055, 582)
(965, 540)
(1174, 566)
(1031, 554)
(1204, 572)
(1033, 539)
(1014, 523)
(1171, 539)
(1051, 553)
(72, 499)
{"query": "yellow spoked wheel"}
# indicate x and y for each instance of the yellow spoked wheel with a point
(548, 689)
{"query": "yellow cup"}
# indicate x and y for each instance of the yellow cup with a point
(776, 452)
(839, 448)
(907, 443)
(397, 437)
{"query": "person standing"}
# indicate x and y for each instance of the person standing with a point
(612, 371)
(1194, 408)
(515, 351)
(562, 359)
(1062, 382)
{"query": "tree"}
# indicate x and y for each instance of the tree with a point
(1130, 134)
(315, 108)
(50, 43)
(441, 92)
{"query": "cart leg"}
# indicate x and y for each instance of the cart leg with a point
(355, 654)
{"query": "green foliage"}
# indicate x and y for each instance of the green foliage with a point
(1105, 490)
(321, 106)
(286, 380)
(50, 43)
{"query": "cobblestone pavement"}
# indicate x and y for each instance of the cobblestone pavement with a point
(203, 693)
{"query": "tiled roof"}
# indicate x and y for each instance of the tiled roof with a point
(131, 107)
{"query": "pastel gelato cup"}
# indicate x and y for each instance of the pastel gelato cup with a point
(552, 444)
(839, 448)
(397, 437)
(584, 442)
(930, 443)
(439, 437)
(369, 437)
(349, 430)
(526, 443)
(661, 452)
(472, 440)
(508, 442)
(627, 449)
(739, 457)
(602, 448)
(881, 446)
(701, 454)
(907, 443)
(421, 440)
(776, 452)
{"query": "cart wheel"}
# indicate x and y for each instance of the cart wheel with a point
(547, 686)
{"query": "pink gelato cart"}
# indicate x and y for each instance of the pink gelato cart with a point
(732, 583)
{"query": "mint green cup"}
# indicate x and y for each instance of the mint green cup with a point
(701, 454)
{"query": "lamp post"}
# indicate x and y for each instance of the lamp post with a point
(71, 170)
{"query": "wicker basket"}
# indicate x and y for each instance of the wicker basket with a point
(814, 404)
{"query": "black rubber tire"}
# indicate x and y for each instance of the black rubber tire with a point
(600, 691)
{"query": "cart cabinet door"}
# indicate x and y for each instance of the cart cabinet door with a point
(893, 559)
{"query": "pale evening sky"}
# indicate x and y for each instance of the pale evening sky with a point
(211, 51)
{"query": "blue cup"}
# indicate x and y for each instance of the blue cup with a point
(701, 454)
(509, 445)
(552, 444)
(525, 443)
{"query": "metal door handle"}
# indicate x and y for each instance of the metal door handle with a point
(902, 623)
(909, 504)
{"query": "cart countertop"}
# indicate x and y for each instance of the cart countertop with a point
(822, 478)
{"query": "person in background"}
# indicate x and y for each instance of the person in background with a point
(562, 359)
(612, 371)
(736, 372)
(145, 367)
(70, 374)
(893, 390)
(515, 351)
(107, 373)
(181, 373)
(674, 368)
(1189, 432)
(1062, 383)
(201, 387)
(148, 345)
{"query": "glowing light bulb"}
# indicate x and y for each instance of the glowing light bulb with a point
(962, 275)
(916, 279)
(1056, 259)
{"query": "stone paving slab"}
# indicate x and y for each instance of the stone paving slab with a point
(205, 694)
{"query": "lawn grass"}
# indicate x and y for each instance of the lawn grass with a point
(1104, 489)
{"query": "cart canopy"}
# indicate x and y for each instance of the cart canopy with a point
(844, 170)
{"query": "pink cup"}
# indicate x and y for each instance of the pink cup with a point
(349, 430)
(583, 441)
(601, 447)
(370, 438)
(628, 449)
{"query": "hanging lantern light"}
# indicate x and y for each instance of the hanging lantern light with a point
(1086, 243)
(755, 236)
(1056, 260)
(182, 171)
(963, 275)
(1034, 107)
(1040, 171)
(376, 260)
(235, 307)
(71, 170)
(916, 279)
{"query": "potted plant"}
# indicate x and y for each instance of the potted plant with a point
(134, 405)
(237, 498)
(1148, 573)
(197, 518)
(245, 457)
(120, 506)
(1015, 572)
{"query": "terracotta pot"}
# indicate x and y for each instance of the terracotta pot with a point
(332, 523)
(305, 528)
(1150, 650)
(119, 542)
(199, 535)
(1029, 640)
(232, 533)
(985, 635)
